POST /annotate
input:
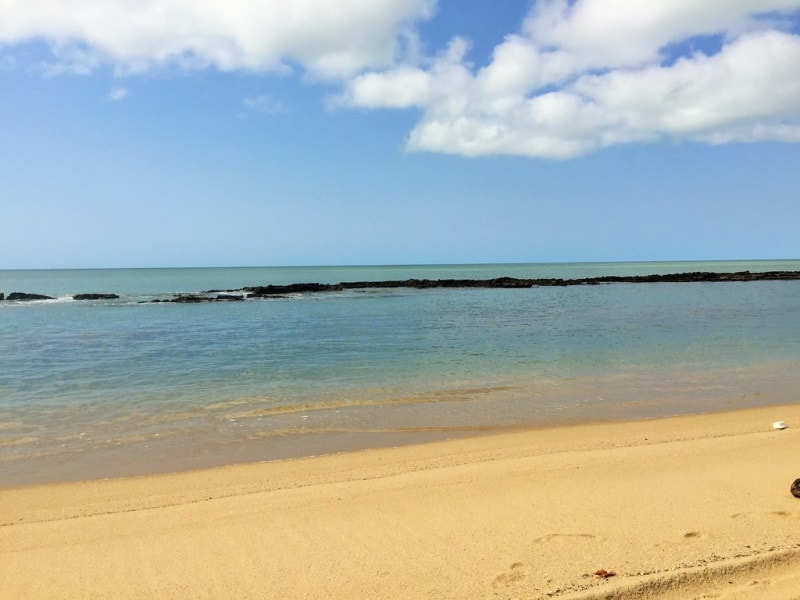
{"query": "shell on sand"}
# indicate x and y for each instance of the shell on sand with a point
(795, 489)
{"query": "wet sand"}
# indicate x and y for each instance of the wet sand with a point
(685, 507)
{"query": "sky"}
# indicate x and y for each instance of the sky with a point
(162, 133)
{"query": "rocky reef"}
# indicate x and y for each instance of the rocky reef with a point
(95, 297)
(27, 296)
(278, 291)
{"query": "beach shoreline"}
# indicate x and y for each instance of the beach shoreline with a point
(670, 506)
(108, 443)
(115, 388)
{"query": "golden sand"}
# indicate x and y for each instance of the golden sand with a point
(687, 507)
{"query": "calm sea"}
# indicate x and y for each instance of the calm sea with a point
(117, 387)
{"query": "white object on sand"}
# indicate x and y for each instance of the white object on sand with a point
(779, 425)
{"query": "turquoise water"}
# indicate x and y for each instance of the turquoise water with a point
(107, 388)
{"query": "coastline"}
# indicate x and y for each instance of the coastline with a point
(110, 388)
(670, 505)
(242, 431)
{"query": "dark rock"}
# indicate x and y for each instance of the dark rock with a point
(293, 288)
(281, 291)
(26, 296)
(2, 296)
(190, 299)
(95, 297)
(513, 282)
(197, 298)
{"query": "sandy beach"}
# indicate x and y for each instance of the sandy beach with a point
(685, 507)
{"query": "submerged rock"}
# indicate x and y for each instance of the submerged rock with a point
(190, 299)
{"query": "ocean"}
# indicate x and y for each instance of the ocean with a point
(127, 386)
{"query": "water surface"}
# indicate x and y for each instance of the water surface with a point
(114, 387)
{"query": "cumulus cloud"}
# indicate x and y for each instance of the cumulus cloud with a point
(329, 39)
(584, 75)
(577, 76)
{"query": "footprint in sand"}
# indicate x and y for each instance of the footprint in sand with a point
(694, 535)
(516, 573)
(555, 536)
(775, 513)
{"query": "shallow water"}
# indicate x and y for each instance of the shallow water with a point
(105, 388)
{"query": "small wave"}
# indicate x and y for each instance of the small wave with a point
(453, 395)
(18, 441)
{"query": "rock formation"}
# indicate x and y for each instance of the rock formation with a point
(95, 297)
(27, 296)
(280, 291)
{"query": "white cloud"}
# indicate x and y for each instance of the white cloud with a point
(265, 104)
(405, 86)
(585, 75)
(752, 79)
(578, 75)
(330, 39)
(116, 94)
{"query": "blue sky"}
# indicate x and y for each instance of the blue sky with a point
(397, 131)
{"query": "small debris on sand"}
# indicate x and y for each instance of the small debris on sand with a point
(603, 574)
